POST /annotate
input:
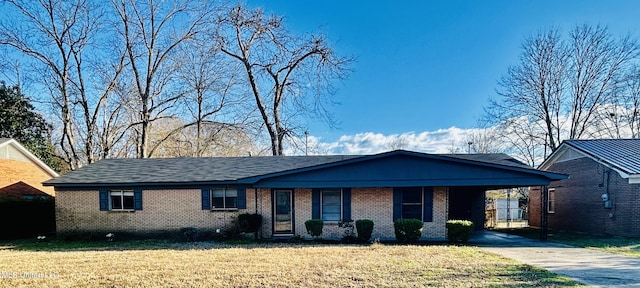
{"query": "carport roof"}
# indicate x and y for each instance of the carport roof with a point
(253, 171)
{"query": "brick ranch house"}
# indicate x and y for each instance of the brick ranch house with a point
(159, 195)
(21, 170)
(602, 193)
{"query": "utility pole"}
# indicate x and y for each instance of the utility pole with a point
(306, 143)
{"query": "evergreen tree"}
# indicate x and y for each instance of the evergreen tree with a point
(19, 121)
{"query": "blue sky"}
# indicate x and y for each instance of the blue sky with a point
(431, 65)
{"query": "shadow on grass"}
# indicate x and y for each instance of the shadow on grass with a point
(164, 244)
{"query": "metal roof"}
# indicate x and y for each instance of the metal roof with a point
(623, 154)
(179, 171)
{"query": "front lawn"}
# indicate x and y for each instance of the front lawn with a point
(612, 244)
(205, 264)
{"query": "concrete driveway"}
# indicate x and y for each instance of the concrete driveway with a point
(590, 267)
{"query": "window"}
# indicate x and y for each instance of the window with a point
(121, 200)
(224, 198)
(412, 203)
(551, 198)
(331, 200)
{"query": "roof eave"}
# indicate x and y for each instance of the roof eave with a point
(31, 157)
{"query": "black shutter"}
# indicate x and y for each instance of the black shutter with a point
(346, 204)
(206, 199)
(427, 206)
(137, 199)
(315, 203)
(242, 198)
(104, 200)
(397, 204)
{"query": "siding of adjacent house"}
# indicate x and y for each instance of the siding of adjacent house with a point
(22, 169)
(170, 210)
(578, 200)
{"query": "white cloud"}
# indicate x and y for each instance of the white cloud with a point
(448, 140)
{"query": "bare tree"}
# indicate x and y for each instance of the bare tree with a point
(290, 77)
(597, 63)
(58, 38)
(535, 87)
(151, 32)
(211, 100)
(631, 101)
(560, 88)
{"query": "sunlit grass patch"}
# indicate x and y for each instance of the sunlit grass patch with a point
(205, 264)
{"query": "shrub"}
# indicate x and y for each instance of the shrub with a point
(189, 234)
(364, 228)
(408, 230)
(314, 227)
(459, 230)
(250, 223)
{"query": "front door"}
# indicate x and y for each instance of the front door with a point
(282, 212)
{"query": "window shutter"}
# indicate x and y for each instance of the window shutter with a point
(104, 200)
(397, 204)
(315, 203)
(137, 199)
(427, 206)
(206, 199)
(346, 204)
(242, 198)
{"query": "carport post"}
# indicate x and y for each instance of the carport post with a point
(544, 206)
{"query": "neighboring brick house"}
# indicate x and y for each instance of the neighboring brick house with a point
(602, 193)
(18, 164)
(160, 195)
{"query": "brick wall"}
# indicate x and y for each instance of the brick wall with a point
(163, 210)
(579, 206)
(12, 171)
(366, 203)
(167, 210)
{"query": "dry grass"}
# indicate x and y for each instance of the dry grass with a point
(267, 265)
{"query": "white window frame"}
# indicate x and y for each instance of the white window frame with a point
(322, 204)
(224, 201)
(551, 201)
(121, 193)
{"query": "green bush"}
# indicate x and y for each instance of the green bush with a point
(408, 230)
(249, 223)
(459, 230)
(314, 227)
(364, 228)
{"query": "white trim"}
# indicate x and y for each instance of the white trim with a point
(31, 157)
(634, 179)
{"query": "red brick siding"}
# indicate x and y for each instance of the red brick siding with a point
(12, 171)
(579, 206)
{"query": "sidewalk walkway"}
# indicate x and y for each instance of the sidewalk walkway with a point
(590, 267)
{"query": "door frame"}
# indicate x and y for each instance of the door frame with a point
(273, 211)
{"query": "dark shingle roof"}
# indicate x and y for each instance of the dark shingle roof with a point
(222, 169)
(624, 154)
(180, 170)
